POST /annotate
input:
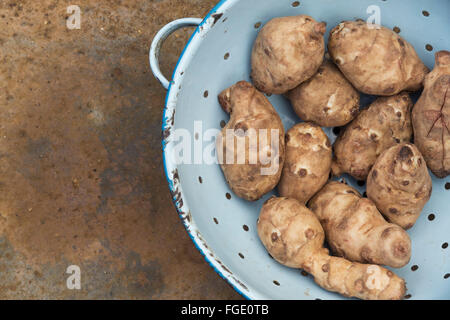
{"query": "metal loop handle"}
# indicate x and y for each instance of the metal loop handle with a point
(158, 40)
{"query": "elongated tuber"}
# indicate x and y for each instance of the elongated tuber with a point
(307, 163)
(293, 236)
(431, 117)
(250, 147)
(356, 230)
(385, 123)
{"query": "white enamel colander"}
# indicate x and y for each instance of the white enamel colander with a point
(223, 226)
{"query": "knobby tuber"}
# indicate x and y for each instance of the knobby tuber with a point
(375, 59)
(293, 236)
(251, 146)
(431, 117)
(307, 163)
(286, 52)
(385, 123)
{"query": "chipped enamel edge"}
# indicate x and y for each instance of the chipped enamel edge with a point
(170, 168)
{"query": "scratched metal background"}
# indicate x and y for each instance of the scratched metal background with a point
(81, 173)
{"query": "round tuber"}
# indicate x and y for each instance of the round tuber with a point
(327, 98)
(375, 59)
(286, 52)
(399, 184)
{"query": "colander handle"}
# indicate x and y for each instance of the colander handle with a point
(158, 40)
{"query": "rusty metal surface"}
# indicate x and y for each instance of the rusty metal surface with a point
(81, 172)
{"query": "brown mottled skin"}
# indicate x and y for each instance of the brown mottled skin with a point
(327, 98)
(307, 164)
(293, 236)
(250, 109)
(399, 184)
(431, 117)
(376, 60)
(356, 230)
(287, 51)
(385, 123)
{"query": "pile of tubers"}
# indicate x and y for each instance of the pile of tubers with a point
(363, 233)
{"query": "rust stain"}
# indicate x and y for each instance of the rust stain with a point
(243, 286)
(81, 172)
(216, 17)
